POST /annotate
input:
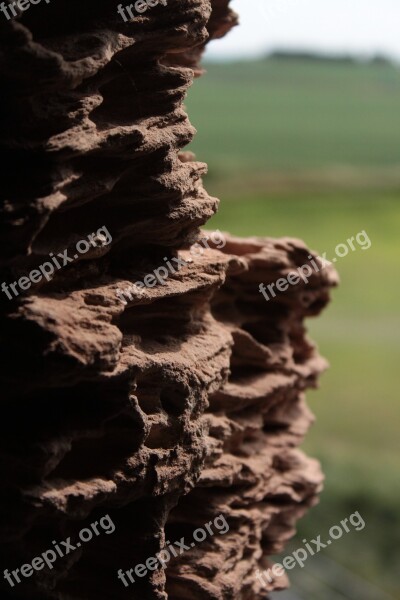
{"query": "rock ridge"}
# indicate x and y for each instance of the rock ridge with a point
(185, 401)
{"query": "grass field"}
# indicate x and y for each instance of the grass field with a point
(312, 151)
(288, 114)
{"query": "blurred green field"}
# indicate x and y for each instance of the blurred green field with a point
(293, 114)
(337, 127)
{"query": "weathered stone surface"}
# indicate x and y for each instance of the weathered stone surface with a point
(176, 405)
(254, 473)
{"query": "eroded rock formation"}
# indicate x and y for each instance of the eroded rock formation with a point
(179, 403)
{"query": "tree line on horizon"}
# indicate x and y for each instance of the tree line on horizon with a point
(281, 54)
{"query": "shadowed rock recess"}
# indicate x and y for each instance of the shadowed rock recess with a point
(187, 401)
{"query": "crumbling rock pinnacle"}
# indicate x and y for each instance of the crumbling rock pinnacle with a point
(171, 407)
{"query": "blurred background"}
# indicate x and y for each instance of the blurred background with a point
(298, 118)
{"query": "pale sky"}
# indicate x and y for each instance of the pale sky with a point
(355, 26)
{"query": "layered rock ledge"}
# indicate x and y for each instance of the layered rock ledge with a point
(186, 400)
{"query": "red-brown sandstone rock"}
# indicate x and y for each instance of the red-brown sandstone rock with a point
(186, 401)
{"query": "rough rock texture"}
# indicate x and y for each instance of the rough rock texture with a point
(254, 473)
(188, 400)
